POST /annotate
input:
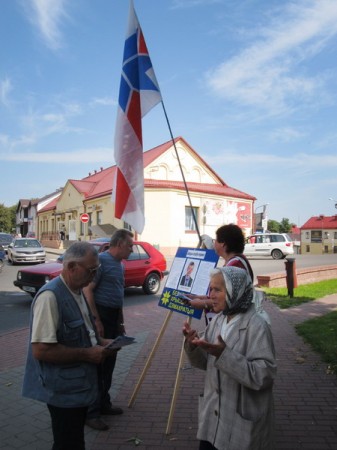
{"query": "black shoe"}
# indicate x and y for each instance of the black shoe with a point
(97, 424)
(111, 411)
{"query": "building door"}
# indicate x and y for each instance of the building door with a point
(72, 230)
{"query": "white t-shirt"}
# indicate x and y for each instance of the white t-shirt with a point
(46, 317)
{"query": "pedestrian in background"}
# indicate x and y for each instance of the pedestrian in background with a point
(65, 349)
(105, 295)
(229, 244)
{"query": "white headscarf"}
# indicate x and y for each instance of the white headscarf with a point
(239, 289)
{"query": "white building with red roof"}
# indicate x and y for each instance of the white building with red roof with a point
(168, 217)
(319, 235)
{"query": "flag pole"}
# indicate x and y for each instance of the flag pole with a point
(182, 172)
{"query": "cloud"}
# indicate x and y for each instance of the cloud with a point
(5, 89)
(270, 72)
(47, 17)
(83, 156)
(286, 134)
(43, 124)
(103, 101)
(264, 161)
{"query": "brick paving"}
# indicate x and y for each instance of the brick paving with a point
(305, 394)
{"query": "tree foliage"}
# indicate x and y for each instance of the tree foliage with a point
(280, 227)
(273, 226)
(7, 218)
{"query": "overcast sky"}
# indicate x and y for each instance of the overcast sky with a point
(251, 85)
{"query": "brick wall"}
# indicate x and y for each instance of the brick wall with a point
(304, 276)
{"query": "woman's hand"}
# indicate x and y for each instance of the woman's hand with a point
(189, 334)
(212, 349)
(197, 302)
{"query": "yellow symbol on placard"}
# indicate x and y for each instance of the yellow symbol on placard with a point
(166, 298)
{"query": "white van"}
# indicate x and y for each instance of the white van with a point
(276, 245)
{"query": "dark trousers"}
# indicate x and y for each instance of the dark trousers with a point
(110, 318)
(205, 445)
(68, 427)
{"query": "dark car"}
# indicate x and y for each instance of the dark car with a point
(2, 257)
(5, 240)
(145, 267)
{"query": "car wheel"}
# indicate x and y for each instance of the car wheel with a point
(151, 284)
(277, 254)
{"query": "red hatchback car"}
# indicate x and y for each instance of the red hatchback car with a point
(145, 267)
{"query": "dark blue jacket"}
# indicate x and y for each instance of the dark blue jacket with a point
(63, 385)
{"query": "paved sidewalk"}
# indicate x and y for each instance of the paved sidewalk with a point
(305, 395)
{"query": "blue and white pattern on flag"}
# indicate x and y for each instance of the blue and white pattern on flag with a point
(138, 94)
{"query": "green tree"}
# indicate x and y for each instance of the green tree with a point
(285, 225)
(5, 219)
(12, 213)
(273, 226)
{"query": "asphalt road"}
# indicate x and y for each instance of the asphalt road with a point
(15, 304)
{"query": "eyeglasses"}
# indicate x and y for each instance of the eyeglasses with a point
(91, 270)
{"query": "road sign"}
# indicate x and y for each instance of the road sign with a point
(84, 218)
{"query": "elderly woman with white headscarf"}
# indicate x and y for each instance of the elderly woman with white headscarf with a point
(237, 352)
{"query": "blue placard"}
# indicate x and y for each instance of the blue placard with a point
(189, 274)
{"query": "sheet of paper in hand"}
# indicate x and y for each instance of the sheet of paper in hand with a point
(121, 341)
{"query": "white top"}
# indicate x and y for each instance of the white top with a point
(46, 317)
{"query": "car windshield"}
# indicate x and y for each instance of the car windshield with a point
(6, 238)
(26, 243)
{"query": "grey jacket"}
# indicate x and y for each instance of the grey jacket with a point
(236, 408)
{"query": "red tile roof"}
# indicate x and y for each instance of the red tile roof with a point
(99, 183)
(216, 189)
(320, 222)
(51, 205)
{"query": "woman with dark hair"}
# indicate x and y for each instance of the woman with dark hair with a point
(229, 245)
(237, 352)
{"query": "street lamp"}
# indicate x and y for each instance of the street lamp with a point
(264, 219)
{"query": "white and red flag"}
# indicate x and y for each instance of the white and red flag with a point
(138, 94)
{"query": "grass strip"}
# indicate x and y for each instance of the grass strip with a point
(321, 334)
(302, 294)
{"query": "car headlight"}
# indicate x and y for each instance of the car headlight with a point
(46, 279)
(19, 276)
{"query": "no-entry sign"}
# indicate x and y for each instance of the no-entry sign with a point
(84, 218)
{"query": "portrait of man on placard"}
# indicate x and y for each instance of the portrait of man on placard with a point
(187, 280)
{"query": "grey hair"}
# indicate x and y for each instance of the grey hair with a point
(77, 251)
(214, 272)
(120, 235)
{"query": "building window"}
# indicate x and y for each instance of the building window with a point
(316, 236)
(189, 219)
(307, 235)
(326, 235)
(326, 249)
(335, 235)
(99, 217)
(126, 226)
(307, 249)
